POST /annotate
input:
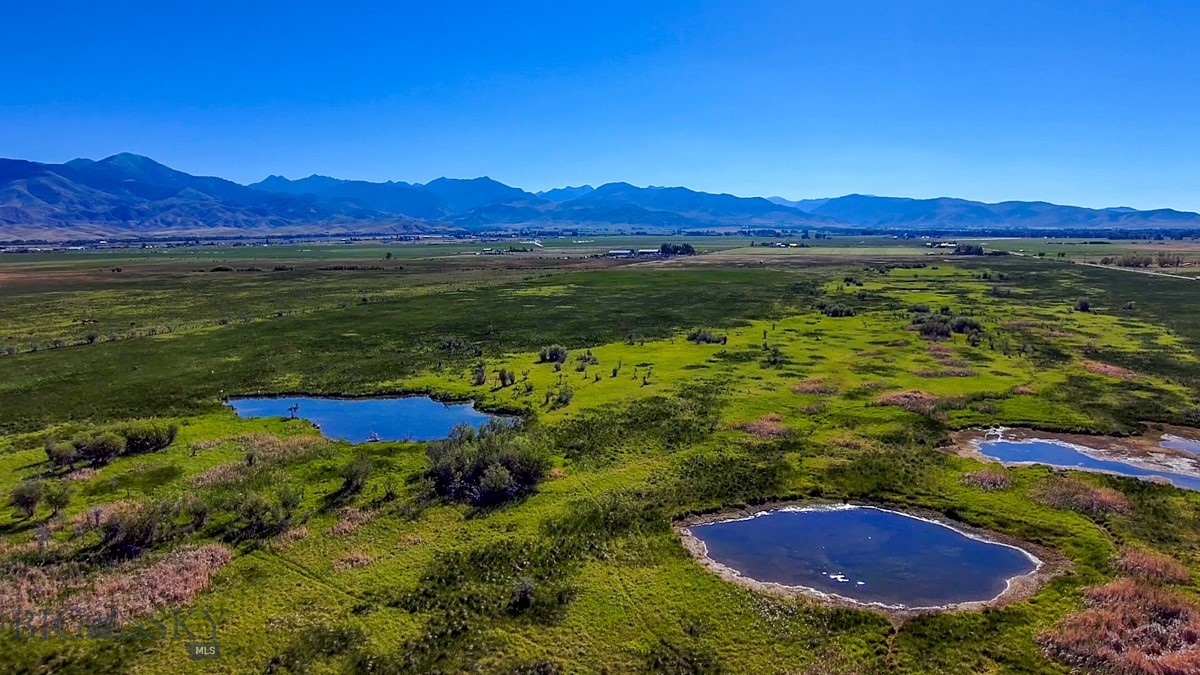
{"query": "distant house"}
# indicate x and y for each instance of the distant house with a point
(648, 251)
(620, 253)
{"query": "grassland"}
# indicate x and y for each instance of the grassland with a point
(642, 426)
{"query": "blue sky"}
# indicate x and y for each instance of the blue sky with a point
(1094, 103)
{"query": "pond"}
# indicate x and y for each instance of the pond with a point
(1063, 455)
(865, 554)
(1174, 442)
(415, 418)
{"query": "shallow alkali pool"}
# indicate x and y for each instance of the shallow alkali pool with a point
(865, 555)
(411, 418)
(1173, 442)
(1068, 456)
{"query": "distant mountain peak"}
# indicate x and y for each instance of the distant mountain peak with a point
(131, 195)
(567, 193)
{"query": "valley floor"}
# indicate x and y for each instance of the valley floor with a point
(690, 386)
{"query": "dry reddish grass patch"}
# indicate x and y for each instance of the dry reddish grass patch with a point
(200, 446)
(1129, 628)
(272, 447)
(85, 473)
(557, 473)
(988, 479)
(351, 560)
(266, 449)
(849, 443)
(288, 537)
(172, 581)
(351, 519)
(767, 426)
(221, 474)
(96, 516)
(1109, 370)
(919, 402)
(130, 589)
(1151, 567)
(1076, 495)
(814, 385)
(29, 588)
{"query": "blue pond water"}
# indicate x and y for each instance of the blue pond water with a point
(416, 418)
(1058, 454)
(1180, 443)
(865, 554)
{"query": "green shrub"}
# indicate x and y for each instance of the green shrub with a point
(99, 448)
(553, 354)
(57, 495)
(703, 337)
(147, 436)
(138, 528)
(355, 475)
(26, 496)
(962, 324)
(835, 310)
(61, 454)
(494, 464)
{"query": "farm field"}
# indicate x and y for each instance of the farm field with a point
(649, 391)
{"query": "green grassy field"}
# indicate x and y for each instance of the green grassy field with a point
(640, 425)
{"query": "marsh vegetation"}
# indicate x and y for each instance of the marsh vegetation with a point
(648, 393)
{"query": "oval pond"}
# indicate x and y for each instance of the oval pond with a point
(865, 554)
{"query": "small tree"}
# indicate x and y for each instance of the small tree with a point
(1083, 305)
(26, 496)
(57, 495)
(497, 484)
(148, 436)
(289, 501)
(100, 448)
(553, 354)
(61, 454)
(355, 475)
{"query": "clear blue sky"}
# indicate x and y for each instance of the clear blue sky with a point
(1090, 102)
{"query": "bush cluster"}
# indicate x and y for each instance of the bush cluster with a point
(942, 325)
(703, 337)
(834, 309)
(553, 354)
(490, 465)
(100, 446)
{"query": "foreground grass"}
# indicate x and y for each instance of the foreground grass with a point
(792, 404)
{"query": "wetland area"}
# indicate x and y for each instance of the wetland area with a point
(728, 462)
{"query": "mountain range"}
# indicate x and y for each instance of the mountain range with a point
(130, 196)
